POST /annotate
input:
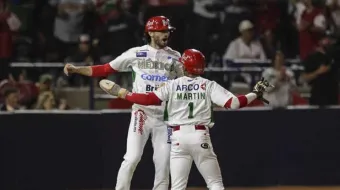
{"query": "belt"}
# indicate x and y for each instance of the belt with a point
(197, 127)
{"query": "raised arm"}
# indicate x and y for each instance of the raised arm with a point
(90, 71)
(121, 63)
(224, 98)
(236, 102)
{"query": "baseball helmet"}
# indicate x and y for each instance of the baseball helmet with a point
(193, 61)
(158, 23)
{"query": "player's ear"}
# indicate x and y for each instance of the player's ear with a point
(151, 34)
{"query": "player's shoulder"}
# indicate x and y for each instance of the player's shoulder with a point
(209, 83)
(139, 51)
(178, 80)
(172, 52)
(136, 49)
(204, 80)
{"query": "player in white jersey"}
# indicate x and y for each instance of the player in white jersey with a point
(151, 65)
(189, 112)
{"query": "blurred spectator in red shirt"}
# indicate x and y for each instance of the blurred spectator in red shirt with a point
(311, 26)
(28, 92)
(9, 22)
(267, 16)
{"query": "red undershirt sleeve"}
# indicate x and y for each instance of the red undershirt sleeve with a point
(102, 70)
(143, 99)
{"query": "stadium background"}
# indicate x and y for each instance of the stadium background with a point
(95, 32)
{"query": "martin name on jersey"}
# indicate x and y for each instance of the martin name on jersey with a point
(189, 101)
(190, 92)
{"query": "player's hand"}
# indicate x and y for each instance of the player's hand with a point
(113, 88)
(69, 69)
(261, 87)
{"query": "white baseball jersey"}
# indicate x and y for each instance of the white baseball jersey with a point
(190, 100)
(150, 68)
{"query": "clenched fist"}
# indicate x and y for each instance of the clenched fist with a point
(69, 69)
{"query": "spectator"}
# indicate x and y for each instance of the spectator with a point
(234, 14)
(283, 80)
(11, 100)
(245, 46)
(311, 26)
(267, 16)
(321, 73)
(298, 8)
(206, 20)
(44, 14)
(27, 90)
(46, 101)
(45, 83)
(334, 15)
(9, 23)
(63, 105)
(118, 27)
(70, 22)
(84, 54)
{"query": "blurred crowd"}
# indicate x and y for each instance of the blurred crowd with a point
(96, 31)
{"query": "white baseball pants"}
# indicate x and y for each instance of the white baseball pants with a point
(191, 144)
(141, 127)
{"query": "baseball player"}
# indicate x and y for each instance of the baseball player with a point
(152, 65)
(189, 112)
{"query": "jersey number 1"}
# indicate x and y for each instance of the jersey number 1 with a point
(191, 110)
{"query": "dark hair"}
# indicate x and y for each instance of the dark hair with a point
(10, 91)
(146, 38)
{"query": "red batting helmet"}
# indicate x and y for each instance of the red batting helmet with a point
(158, 23)
(193, 61)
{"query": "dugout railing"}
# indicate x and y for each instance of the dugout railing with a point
(253, 67)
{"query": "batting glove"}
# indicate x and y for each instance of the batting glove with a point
(261, 87)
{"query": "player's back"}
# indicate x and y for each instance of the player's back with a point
(189, 102)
